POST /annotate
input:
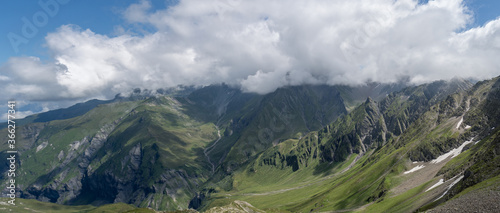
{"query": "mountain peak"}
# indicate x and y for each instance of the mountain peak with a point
(369, 100)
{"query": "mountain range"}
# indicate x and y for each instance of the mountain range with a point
(311, 148)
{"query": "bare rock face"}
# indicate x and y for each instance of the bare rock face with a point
(28, 135)
(356, 133)
(68, 175)
(42, 146)
(126, 185)
(135, 155)
(60, 156)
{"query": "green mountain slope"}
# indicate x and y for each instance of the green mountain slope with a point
(154, 149)
(373, 178)
(135, 151)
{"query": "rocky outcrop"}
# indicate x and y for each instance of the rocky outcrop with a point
(370, 125)
(172, 185)
(357, 132)
(275, 117)
(65, 180)
(29, 135)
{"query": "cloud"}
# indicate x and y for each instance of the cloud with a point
(30, 79)
(263, 45)
(137, 12)
(18, 115)
(26, 108)
(4, 78)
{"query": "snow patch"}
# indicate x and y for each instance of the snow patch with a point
(449, 187)
(416, 168)
(441, 181)
(453, 153)
(460, 122)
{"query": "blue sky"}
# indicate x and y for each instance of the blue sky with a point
(484, 10)
(101, 16)
(98, 48)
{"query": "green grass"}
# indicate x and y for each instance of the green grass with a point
(349, 190)
(261, 177)
(112, 208)
(406, 202)
(28, 205)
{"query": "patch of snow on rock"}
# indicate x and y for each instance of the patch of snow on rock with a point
(453, 153)
(449, 187)
(460, 122)
(416, 168)
(441, 181)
